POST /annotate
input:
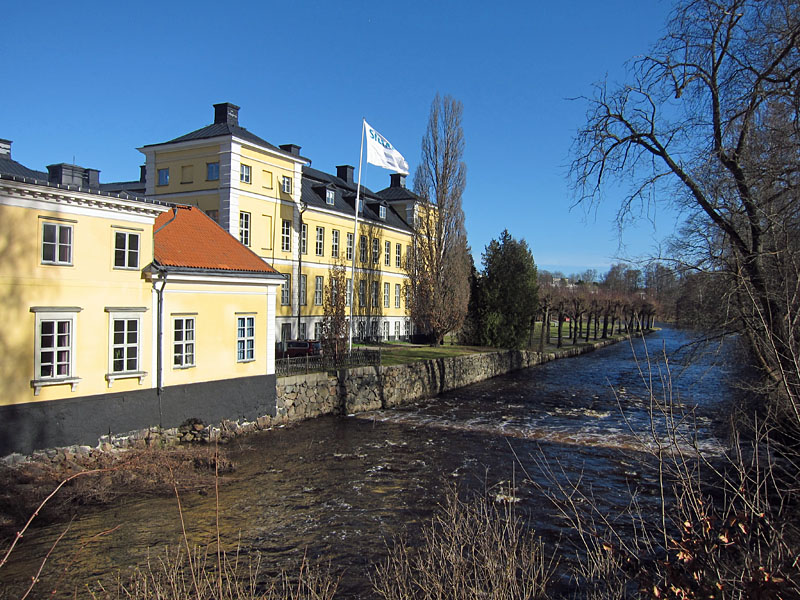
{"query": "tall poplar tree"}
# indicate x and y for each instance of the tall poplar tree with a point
(439, 267)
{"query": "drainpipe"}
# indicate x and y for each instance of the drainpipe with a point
(160, 321)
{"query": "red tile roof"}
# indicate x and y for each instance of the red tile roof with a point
(194, 241)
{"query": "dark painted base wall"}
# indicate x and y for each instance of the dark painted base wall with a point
(38, 425)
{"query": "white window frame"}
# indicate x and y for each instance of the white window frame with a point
(382, 212)
(286, 290)
(397, 295)
(183, 349)
(319, 284)
(376, 251)
(286, 184)
(244, 227)
(245, 173)
(317, 330)
(387, 290)
(245, 338)
(320, 245)
(335, 243)
(374, 294)
(58, 244)
(130, 256)
(55, 315)
(286, 235)
(387, 253)
(125, 315)
(362, 293)
(397, 330)
(362, 248)
(398, 255)
(163, 176)
(212, 171)
(303, 290)
(350, 245)
(330, 197)
(304, 239)
(386, 330)
(348, 300)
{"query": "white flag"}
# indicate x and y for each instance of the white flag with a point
(380, 152)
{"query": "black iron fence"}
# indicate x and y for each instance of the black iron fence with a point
(308, 364)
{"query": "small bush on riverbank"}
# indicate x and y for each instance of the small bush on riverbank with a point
(469, 550)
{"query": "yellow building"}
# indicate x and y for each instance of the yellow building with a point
(110, 326)
(298, 219)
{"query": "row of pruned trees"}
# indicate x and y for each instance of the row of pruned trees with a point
(591, 312)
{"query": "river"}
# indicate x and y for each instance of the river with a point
(337, 488)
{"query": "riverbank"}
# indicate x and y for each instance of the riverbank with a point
(148, 462)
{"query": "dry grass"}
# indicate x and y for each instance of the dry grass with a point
(470, 550)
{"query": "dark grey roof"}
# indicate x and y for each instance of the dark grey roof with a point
(129, 187)
(315, 183)
(393, 194)
(42, 180)
(222, 129)
(12, 167)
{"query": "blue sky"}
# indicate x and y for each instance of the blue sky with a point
(92, 81)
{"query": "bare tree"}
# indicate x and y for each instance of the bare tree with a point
(709, 119)
(334, 306)
(439, 267)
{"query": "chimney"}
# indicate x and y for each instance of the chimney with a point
(398, 180)
(292, 149)
(64, 174)
(226, 112)
(345, 172)
(5, 148)
(142, 173)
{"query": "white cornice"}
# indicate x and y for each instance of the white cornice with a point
(40, 197)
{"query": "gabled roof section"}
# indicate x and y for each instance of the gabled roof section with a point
(187, 239)
(12, 167)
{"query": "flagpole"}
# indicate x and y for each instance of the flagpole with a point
(355, 240)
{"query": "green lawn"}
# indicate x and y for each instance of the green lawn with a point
(400, 354)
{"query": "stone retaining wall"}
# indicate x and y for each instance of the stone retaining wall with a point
(370, 388)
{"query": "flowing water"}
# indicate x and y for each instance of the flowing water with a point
(335, 489)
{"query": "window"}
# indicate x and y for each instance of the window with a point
(408, 257)
(183, 342)
(213, 213)
(126, 250)
(335, 243)
(408, 293)
(187, 174)
(386, 330)
(286, 185)
(397, 295)
(382, 212)
(386, 295)
(320, 246)
(330, 197)
(387, 253)
(125, 341)
(397, 330)
(56, 244)
(54, 360)
(398, 255)
(212, 171)
(266, 179)
(350, 246)
(362, 293)
(303, 236)
(302, 331)
(318, 283)
(286, 289)
(163, 177)
(362, 248)
(286, 236)
(244, 173)
(244, 227)
(286, 332)
(245, 339)
(376, 250)
(334, 290)
(349, 298)
(317, 330)
(303, 280)
(374, 294)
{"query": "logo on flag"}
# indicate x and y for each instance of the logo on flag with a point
(381, 153)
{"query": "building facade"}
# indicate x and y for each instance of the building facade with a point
(111, 325)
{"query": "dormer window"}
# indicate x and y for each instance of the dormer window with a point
(382, 212)
(330, 196)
